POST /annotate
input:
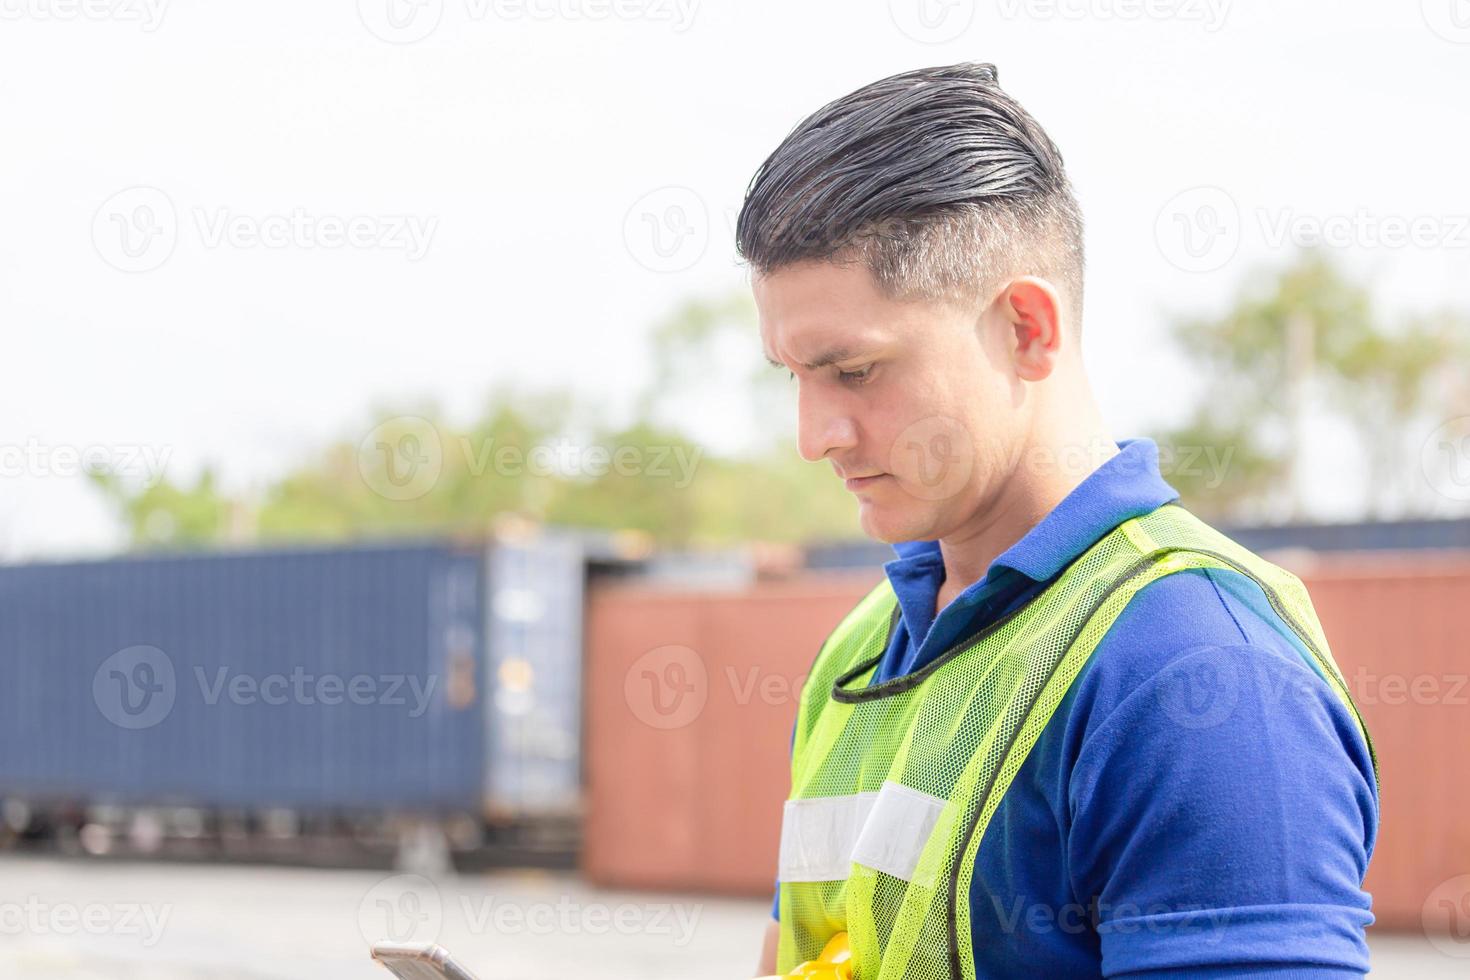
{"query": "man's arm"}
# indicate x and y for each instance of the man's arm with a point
(1222, 816)
(767, 964)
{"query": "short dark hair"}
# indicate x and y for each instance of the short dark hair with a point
(935, 179)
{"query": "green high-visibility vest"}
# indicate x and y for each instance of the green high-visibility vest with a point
(893, 785)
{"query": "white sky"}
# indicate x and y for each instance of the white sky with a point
(524, 135)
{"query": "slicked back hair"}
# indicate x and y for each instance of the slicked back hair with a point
(935, 180)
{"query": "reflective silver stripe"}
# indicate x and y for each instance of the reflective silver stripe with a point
(897, 830)
(822, 836)
(818, 834)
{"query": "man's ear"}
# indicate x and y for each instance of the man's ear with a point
(1034, 310)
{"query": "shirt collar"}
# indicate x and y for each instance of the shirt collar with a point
(1127, 485)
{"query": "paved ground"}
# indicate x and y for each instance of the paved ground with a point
(82, 920)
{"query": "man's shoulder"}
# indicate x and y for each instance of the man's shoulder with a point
(1174, 617)
(1195, 649)
(1192, 668)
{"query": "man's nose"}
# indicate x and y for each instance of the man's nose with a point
(822, 427)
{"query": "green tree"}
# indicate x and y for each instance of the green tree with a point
(1292, 335)
(649, 476)
(167, 514)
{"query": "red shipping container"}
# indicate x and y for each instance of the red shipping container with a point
(691, 698)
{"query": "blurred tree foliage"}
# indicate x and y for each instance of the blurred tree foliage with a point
(1307, 337)
(541, 456)
(1292, 338)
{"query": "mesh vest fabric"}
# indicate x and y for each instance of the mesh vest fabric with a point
(893, 785)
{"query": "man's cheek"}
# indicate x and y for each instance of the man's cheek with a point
(934, 457)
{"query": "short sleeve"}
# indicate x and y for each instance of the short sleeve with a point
(1222, 816)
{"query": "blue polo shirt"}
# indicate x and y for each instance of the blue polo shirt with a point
(1200, 804)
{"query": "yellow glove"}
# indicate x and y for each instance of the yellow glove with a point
(835, 963)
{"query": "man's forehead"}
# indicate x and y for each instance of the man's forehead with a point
(802, 285)
(818, 336)
(820, 313)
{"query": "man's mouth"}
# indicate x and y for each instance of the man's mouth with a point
(855, 483)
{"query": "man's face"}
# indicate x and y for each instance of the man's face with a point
(911, 402)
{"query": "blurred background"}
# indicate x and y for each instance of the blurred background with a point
(402, 536)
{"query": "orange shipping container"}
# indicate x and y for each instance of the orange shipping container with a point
(1397, 626)
(691, 698)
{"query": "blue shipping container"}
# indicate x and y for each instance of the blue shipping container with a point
(315, 679)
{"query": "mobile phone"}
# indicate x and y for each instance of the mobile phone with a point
(419, 961)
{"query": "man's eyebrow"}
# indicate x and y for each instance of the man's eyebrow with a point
(830, 357)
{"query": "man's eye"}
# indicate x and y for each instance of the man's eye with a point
(855, 377)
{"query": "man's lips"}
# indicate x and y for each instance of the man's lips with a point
(859, 482)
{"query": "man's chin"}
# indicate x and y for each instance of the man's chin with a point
(892, 524)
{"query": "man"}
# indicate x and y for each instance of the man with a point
(1075, 732)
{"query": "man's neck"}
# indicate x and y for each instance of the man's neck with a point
(1029, 495)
